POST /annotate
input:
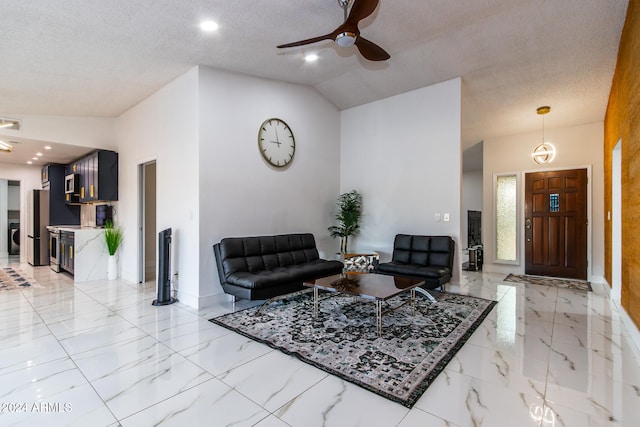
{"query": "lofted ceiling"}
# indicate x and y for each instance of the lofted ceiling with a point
(100, 58)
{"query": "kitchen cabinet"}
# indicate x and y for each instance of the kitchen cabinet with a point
(60, 212)
(44, 175)
(98, 176)
(67, 244)
(84, 253)
(83, 180)
(71, 198)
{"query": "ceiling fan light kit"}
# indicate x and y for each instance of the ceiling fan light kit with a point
(348, 33)
(346, 39)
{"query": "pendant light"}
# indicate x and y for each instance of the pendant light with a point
(544, 152)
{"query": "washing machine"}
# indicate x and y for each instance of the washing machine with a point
(14, 239)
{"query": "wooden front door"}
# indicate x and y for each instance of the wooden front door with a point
(556, 223)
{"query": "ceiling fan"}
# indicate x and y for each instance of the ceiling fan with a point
(348, 33)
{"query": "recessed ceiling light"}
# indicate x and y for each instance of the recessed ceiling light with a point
(5, 147)
(9, 123)
(34, 158)
(29, 162)
(38, 154)
(208, 26)
(47, 147)
(312, 57)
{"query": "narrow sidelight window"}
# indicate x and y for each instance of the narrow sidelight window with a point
(506, 218)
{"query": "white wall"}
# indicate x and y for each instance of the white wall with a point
(163, 127)
(471, 201)
(403, 154)
(29, 178)
(576, 147)
(240, 194)
(94, 132)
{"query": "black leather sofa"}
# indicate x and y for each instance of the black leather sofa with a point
(429, 258)
(262, 267)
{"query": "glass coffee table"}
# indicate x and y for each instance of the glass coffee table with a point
(373, 287)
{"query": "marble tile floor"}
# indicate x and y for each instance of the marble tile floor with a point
(99, 354)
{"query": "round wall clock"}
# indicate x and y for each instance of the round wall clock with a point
(276, 142)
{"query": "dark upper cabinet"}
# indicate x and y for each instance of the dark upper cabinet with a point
(60, 212)
(71, 198)
(84, 179)
(44, 175)
(98, 176)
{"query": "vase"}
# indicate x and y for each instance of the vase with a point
(112, 268)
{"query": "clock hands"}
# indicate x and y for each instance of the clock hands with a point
(277, 139)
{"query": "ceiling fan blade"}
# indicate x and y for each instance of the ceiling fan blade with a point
(329, 36)
(360, 10)
(371, 51)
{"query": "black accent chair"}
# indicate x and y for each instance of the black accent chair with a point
(257, 268)
(429, 258)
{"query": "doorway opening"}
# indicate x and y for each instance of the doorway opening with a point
(615, 216)
(147, 221)
(10, 219)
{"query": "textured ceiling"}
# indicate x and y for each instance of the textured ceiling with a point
(99, 58)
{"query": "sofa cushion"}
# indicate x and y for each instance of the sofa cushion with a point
(256, 254)
(402, 269)
(265, 266)
(290, 274)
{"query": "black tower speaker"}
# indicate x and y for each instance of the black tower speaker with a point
(164, 269)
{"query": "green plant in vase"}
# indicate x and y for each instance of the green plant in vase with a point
(348, 218)
(112, 237)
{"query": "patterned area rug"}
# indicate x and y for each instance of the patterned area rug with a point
(549, 281)
(399, 365)
(12, 279)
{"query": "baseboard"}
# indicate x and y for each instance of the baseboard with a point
(187, 299)
(598, 279)
(214, 299)
(500, 268)
(631, 327)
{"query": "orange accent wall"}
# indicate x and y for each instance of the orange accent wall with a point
(622, 122)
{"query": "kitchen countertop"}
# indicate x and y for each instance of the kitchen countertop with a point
(72, 227)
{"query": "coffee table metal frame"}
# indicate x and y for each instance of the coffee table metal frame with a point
(331, 284)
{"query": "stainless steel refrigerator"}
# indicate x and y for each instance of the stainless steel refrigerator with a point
(37, 221)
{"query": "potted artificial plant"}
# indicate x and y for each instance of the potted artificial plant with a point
(348, 218)
(113, 239)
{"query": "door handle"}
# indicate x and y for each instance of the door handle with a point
(527, 224)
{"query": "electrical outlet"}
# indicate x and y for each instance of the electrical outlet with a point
(446, 217)
(437, 217)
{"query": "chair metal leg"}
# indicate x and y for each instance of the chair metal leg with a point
(281, 297)
(425, 294)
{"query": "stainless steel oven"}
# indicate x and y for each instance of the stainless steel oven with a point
(54, 248)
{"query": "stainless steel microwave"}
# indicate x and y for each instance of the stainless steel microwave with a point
(72, 183)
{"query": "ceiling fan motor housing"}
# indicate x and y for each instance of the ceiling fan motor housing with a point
(346, 39)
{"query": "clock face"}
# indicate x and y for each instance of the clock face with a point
(276, 142)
